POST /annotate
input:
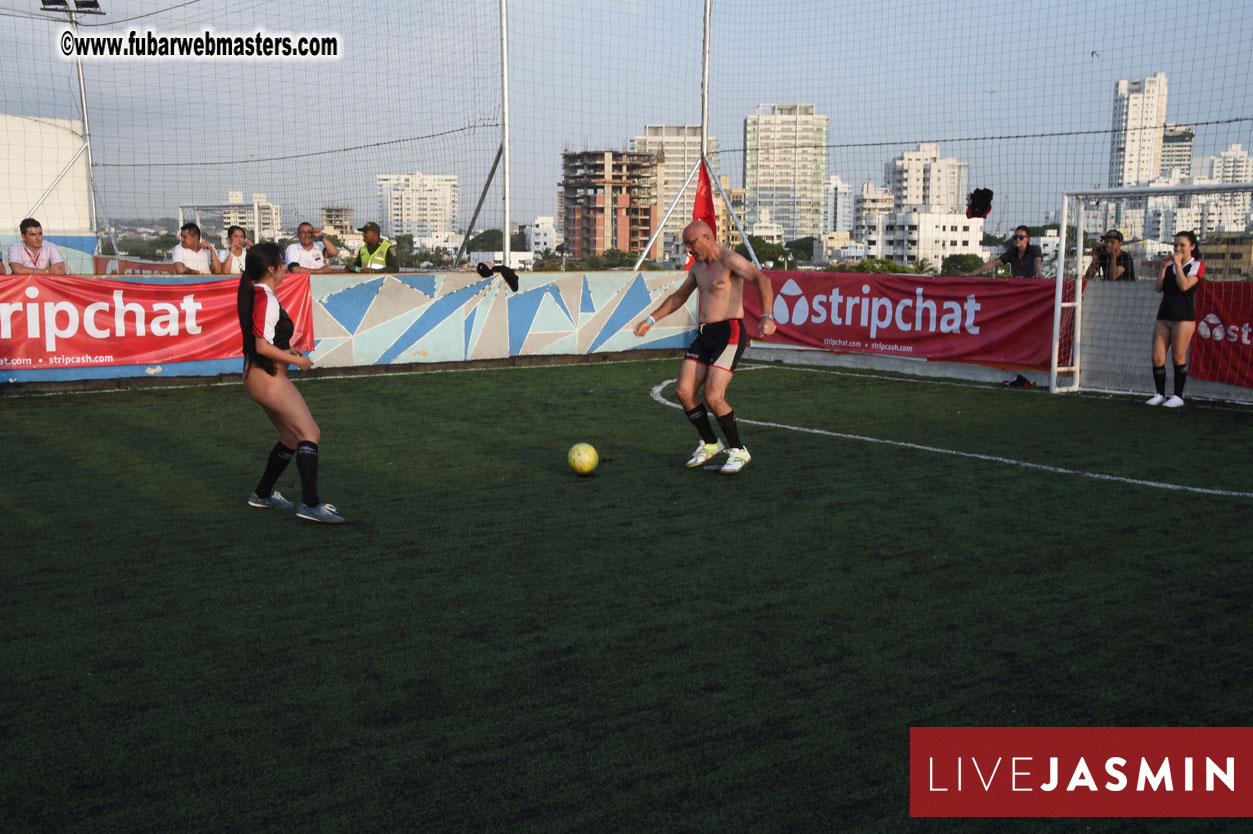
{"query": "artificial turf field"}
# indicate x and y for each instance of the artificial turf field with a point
(493, 644)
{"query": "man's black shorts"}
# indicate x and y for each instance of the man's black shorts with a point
(719, 344)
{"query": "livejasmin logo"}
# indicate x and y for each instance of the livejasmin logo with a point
(1080, 772)
(918, 314)
(1021, 773)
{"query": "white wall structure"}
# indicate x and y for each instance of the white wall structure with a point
(1135, 151)
(785, 167)
(422, 205)
(35, 150)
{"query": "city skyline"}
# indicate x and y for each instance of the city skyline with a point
(1030, 127)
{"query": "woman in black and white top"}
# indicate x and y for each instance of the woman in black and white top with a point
(1176, 317)
(267, 332)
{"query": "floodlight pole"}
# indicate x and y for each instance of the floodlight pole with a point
(704, 85)
(91, 174)
(505, 232)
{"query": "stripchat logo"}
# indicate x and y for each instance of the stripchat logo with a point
(1212, 327)
(873, 313)
(1080, 771)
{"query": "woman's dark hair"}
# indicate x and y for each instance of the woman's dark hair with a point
(232, 231)
(257, 263)
(1191, 236)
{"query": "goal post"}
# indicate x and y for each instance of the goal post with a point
(1102, 332)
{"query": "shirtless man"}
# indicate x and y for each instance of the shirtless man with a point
(719, 274)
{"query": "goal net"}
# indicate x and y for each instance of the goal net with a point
(1118, 242)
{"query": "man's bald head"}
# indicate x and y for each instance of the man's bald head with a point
(695, 229)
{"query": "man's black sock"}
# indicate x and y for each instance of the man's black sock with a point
(731, 429)
(700, 419)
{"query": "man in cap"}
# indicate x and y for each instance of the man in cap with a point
(376, 255)
(1108, 257)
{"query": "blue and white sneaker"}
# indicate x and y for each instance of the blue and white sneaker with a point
(324, 513)
(275, 501)
(737, 459)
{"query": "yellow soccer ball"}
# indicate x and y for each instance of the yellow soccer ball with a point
(583, 458)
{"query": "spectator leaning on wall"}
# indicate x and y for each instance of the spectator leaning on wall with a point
(33, 256)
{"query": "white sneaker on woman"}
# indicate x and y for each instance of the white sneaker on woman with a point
(1175, 401)
(1156, 399)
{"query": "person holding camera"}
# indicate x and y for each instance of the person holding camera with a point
(1023, 258)
(1108, 257)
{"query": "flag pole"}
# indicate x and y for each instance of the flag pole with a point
(662, 225)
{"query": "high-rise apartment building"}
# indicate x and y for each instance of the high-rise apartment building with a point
(1177, 150)
(422, 205)
(609, 201)
(839, 206)
(869, 208)
(922, 180)
(1135, 151)
(728, 234)
(677, 148)
(785, 167)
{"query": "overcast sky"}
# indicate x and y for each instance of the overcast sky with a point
(1021, 91)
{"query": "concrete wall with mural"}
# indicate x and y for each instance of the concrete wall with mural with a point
(364, 319)
(454, 317)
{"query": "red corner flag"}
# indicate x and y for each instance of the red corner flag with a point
(703, 206)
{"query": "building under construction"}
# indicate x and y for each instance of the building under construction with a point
(609, 201)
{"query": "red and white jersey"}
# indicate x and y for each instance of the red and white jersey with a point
(269, 320)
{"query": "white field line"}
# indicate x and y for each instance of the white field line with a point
(918, 447)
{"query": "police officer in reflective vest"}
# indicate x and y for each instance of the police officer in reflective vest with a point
(376, 255)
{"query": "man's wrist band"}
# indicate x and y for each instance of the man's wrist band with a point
(767, 316)
(651, 321)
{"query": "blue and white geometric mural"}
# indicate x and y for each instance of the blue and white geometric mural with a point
(454, 317)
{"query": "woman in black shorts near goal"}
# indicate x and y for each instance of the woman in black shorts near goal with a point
(1176, 317)
(267, 332)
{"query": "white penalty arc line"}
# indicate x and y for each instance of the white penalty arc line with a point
(918, 447)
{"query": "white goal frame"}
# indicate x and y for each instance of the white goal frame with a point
(1059, 302)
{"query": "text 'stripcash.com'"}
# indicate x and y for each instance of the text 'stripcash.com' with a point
(203, 45)
(1081, 771)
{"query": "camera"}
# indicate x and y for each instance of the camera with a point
(1099, 249)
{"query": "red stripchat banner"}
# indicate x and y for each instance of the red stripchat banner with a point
(1005, 322)
(1080, 771)
(59, 321)
(1222, 349)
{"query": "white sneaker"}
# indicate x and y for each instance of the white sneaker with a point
(737, 459)
(1156, 399)
(704, 452)
(1175, 401)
